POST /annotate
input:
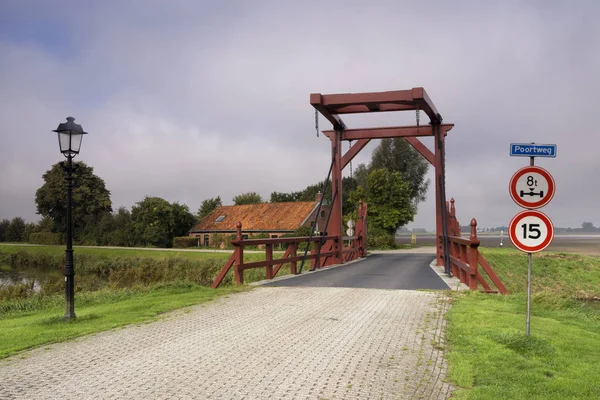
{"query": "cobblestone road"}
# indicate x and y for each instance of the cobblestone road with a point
(269, 343)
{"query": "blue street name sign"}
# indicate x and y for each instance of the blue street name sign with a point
(532, 150)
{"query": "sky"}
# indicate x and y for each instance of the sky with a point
(187, 100)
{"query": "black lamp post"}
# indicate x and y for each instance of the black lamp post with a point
(69, 141)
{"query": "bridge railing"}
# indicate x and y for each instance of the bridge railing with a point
(465, 258)
(324, 250)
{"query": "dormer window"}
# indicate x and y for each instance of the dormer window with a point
(221, 218)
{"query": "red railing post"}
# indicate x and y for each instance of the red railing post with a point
(293, 264)
(455, 223)
(239, 255)
(473, 255)
(269, 257)
(464, 256)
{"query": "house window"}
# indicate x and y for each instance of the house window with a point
(206, 240)
(244, 237)
(197, 236)
(221, 218)
(322, 213)
(274, 236)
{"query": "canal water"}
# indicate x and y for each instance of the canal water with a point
(32, 278)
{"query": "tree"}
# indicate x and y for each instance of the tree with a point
(310, 194)
(45, 224)
(588, 227)
(388, 197)
(360, 175)
(208, 206)
(91, 199)
(15, 232)
(113, 229)
(124, 233)
(247, 198)
(156, 222)
(29, 229)
(280, 197)
(183, 219)
(99, 234)
(4, 224)
(396, 155)
(153, 221)
(349, 186)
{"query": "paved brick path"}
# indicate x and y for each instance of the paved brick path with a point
(269, 343)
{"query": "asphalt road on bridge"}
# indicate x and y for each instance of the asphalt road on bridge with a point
(407, 271)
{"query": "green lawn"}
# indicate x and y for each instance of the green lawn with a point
(490, 357)
(99, 311)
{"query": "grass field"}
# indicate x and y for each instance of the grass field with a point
(490, 357)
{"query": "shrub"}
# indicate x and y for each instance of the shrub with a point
(183, 242)
(381, 241)
(46, 238)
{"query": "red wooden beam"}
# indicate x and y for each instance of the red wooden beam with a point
(370, 107)
(350, 154)
(389, 132)
(422, 99)
(421, 148)
(398, 100)
(346, 99)
(223, 272)
(316, 99)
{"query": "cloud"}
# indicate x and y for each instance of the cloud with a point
(190, 100)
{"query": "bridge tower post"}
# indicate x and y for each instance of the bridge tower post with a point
(335, 222)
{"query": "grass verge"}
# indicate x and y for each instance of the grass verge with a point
(99, 311)
(490, 356)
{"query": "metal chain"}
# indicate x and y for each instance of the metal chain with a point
(418, 115)
(317, 121)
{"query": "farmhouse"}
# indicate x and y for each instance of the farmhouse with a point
(272, 219)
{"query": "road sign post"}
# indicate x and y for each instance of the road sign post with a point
(531, 187)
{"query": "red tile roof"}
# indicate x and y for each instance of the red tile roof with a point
(258, 217)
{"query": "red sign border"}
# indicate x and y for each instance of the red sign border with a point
(512, 234)
(512, 187)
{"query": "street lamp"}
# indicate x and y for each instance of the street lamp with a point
(69, 141)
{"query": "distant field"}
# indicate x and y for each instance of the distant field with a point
(581, 244)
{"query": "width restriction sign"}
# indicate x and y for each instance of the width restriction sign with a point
(531, 231)
(532, 187)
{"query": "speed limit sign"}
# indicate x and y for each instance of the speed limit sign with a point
(531, 231)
